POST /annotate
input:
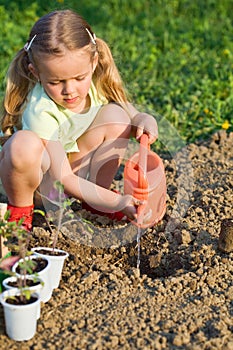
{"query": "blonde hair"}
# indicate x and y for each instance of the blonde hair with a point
(52, 34)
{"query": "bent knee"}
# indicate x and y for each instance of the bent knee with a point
(114, 113)
(115, 118)
(23, 147)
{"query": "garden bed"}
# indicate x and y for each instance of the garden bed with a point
(182, 298)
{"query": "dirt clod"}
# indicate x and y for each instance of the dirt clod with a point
(226, 236)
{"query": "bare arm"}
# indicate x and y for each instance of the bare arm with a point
(77, 187)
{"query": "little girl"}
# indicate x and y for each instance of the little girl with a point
(68, 119)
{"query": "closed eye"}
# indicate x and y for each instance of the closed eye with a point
(54, 82)
(80, 78)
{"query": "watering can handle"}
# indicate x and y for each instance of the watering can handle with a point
(143, 151)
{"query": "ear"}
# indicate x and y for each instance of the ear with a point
(95, 62)
(33, 70)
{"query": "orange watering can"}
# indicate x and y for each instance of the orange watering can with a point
(144, 178)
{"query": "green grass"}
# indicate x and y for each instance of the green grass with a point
(175, 56)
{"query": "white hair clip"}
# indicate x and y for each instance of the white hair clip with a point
(92, 37)
(28, 45)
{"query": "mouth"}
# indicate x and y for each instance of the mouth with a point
(71, 100)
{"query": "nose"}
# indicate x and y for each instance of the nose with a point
(68, 87)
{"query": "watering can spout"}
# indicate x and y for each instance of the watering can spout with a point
(144, 178)
(142, 163)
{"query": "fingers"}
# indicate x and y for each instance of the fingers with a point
(138, 202)
(152, 137)
(139, 132)
(7, 263)
(130, 207)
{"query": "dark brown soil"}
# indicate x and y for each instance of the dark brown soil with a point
(182, 296)
(50, 252)
(39, 265)
(21, 300)
(28, 283)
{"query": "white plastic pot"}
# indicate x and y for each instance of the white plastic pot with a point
(57, 263)
(20, 320)
(33, 289)
(44, 275)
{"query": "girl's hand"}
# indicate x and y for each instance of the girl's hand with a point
(7, 263)
(130, 209)
(144, 123)
(128, 205)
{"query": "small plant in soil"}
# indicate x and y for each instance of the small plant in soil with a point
(62, 202)
(54, 222)
(17, 238)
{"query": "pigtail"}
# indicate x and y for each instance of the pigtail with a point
(19, 82)
(106, 77)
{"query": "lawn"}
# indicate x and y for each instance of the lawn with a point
(175, 56)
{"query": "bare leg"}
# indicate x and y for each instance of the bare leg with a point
(103, 146)
(22, 164)
(106, 160)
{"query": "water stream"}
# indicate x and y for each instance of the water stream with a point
(139, 233)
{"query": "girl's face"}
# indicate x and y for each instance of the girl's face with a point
(67, 79)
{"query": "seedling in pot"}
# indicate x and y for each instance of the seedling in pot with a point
(21, 305)
(17, 238)
(54, 255)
